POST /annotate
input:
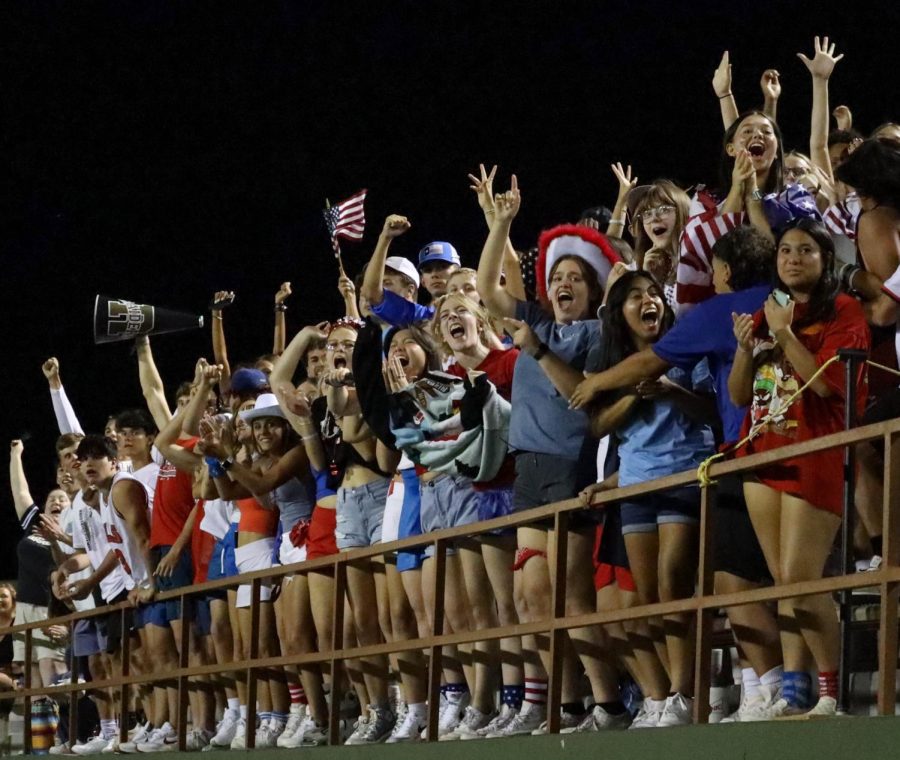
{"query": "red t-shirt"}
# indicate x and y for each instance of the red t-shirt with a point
(817, 478)
(498, 365)
(172, 502)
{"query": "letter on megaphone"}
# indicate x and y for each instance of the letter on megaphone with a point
(116, 319)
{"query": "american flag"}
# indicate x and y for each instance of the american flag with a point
(346, 220)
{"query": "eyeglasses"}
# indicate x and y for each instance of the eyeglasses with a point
(795, 172)
(649, 214)
(347, 345)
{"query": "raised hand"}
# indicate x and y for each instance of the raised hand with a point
(843, 117)
(743, 331)
(824, 60)
(506, 205)
(395, 225)
(222, 298)
(523, 337)
(394, 377)
(626, 181)
(484, 188)
(770, 85)
(50, 368)
(199, 371)
(283, 292)
(320, 330)
(212, 374)
(743, 175)
(346, 287)
(16, 447)
(721, 80)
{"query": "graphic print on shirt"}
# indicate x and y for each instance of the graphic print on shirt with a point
(774, 384)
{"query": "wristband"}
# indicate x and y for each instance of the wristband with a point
(541, 352)
(226, 463)
(280, 307)
(215, 469)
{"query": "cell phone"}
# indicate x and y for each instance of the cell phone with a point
(781, 298)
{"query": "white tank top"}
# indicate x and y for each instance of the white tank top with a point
(123, 544)
(148, 475)
(89, 533)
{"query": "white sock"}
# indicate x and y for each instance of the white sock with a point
(243, 711)
(109, 728)
(419, 709)
(749, 682)
(234, 705)
(773, 677)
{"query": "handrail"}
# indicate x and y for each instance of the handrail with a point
(887, 579)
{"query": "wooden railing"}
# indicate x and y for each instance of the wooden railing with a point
(702, 605)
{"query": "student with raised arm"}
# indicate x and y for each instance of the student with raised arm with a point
(721, 83)
(573, 265)
(66, 418)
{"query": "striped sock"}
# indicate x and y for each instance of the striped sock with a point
(828, 684)
(264, 717)
(298, 696)
(796, 688)
(536, 691)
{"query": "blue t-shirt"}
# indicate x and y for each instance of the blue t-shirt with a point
(542, 422)
(659, 438)
(399, 312)
(707, 332)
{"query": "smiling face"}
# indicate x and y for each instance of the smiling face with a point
(569, 292)
(341, 342)
(268, 433)
(410, 354)
(799, 262)
(57, 501)
(461, 328)
(242, 430)
(756, 135)
(643, 310)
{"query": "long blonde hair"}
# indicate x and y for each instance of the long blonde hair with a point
(486, 330)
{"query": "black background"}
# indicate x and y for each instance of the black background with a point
(158, 151)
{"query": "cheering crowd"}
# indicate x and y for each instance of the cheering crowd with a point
(631, 345)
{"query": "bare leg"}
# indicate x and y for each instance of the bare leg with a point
(678, 544)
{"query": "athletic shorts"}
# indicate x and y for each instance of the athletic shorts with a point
(448, 501)
(645, 515)
(410, 521)
(254, 556)
(288, 554)
(162, 613)
(201, 615)
(543, 479)
(218, 568)
(88, 638)
(42, 647)
(360, 512)
(736, 548)
(493, 503)
(884, 408)
(320, 541)
(109, 626)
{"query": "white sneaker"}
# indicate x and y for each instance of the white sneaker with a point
(679, 711)
(378, 727)
(408, 728)
(310, 733)
(649, 714)
(359, 730)
(137, 737)
(525, 721)
(63, 748)
(451, 713)
(506, 714)
(239, 740)
(295, 719)
(162, 739)
(93, 746)
(874, 564)
(756, 708)
(567, 723)
(472, 721)
(197, 740)
(826, 707)
(224, 732)
(268, 733)
(599, 720)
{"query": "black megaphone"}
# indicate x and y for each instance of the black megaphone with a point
(116, 320)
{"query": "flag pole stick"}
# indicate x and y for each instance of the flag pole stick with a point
(337, 246)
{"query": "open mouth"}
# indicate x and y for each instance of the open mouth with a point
(756, 149)
(650, 316)
(564, 297)
(340, 362)
(660, 229)
(90, 473)
(457, 331)
(404, 360)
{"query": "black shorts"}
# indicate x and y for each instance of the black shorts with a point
(612, 543)
(736, 548)
(543, 479)
(886, 407)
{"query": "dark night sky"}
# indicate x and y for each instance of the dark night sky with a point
(159, 151)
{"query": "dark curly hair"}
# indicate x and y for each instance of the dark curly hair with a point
(873, 170)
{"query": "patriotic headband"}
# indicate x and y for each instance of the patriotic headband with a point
(573, 240)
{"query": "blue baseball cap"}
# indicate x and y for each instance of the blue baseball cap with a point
(438, 251)
(247, 380)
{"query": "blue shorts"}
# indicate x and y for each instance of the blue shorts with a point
(679, 505)
(88, 638)
(162, 613)
(410, 521)
(201, 615)
(360, 512)
(493, 503)
(218, 564)
(448, 501)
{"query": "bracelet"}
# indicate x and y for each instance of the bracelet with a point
(280, 307)
(726, 95)
(541, 352)
(217, 315)
(620, 222)
(310, 437)
(488, 211)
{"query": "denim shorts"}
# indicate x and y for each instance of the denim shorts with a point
(162, 613)
(88, 638)
(360, 512)
(679, 505)
(448, 501)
